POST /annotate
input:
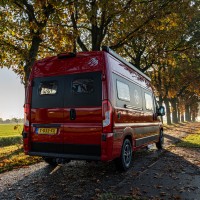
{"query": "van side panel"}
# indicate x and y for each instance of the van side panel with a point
(130, 117)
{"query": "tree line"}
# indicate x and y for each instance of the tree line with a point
(161, 38)
(12, 121)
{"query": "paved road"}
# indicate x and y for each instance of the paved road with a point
(173, 173)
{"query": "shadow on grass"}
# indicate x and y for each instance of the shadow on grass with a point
(12, 153)
(189, 126)
(7, 141)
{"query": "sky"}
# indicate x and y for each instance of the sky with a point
(11, 95)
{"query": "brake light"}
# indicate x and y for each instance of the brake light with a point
(107, 116)
(66, 55)
(26, 117)
(26, 129)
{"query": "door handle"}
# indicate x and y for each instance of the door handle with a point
(72, 114)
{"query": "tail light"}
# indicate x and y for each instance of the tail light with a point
(26, 118)
(26, 129)
(107, 116)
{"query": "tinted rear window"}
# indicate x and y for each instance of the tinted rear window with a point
(48, 92)
(83, 90)
(74, 90)
(83, 86)
(48, 88)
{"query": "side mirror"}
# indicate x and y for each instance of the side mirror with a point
(161, 111)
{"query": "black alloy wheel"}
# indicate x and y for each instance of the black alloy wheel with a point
(124, 162)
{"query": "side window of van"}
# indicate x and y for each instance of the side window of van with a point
(128, 94)
(123, 91)
(148, 102)
(137, 97)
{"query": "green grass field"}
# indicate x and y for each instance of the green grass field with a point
(10, 130)
(191, 141)
(10, 134)
(11, 150)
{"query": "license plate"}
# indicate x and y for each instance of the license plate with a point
(50, 131)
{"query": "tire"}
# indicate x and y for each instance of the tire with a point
(123, 163)
(160, 143)
(51, 161)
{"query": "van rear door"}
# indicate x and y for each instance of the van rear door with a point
(47, 115)
(82, 126)
(66, 115)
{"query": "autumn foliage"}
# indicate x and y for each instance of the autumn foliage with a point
(161, 38)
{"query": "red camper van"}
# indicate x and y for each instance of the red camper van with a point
(89, 106)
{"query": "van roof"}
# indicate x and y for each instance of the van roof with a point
(66, 63)
(79, 54)
(110, 51)
(41, 66)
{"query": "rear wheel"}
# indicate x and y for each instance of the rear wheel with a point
(160, 143)
(123, 163)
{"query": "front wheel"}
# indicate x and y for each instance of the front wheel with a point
(123, 163)
(160, 143)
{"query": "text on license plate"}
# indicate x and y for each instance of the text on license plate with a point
(46, 130)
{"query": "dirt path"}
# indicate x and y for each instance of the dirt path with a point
(173, 173)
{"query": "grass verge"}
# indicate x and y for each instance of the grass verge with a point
(12, 157)
(191, 141)
(7, 141)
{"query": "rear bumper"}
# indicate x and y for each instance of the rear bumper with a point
(103, 152)
(67, 156)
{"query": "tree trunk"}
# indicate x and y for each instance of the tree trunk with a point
(174, 110)
(179, 114)
(47, 10)
(168, 113)
(160, 100)
(187, 113)
(36, 40)
(193, 116)
(182, 117)
(96, 38)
